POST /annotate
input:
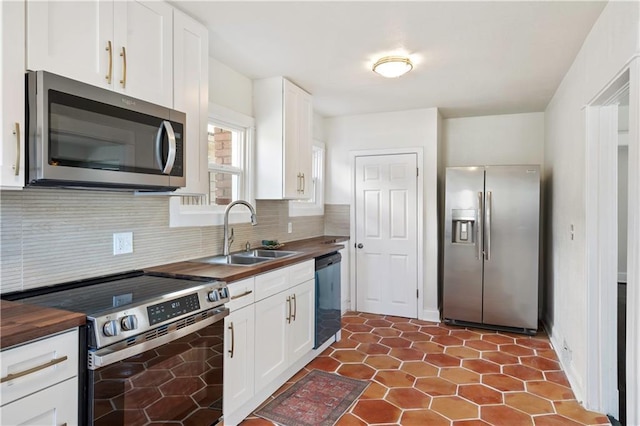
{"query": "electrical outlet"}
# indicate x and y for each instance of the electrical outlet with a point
(122, 243)
(290, 227)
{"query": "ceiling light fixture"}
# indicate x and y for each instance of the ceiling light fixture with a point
(392, 66)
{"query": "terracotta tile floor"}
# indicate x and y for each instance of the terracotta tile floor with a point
(424, 373)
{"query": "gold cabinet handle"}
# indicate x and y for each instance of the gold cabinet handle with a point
(16, 168)
(295, 306)
(289, 310)
(51, 363)
(238, 296)
(123, 54)
(233, 341)
(110, 69)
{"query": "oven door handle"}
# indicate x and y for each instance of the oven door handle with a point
(108, 355)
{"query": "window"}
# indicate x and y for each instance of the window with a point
(314, 206)
(227, 170)
(230, 168)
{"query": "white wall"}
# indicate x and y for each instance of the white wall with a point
(403, 129)
(494, 140)
(229, 88)
(609, 46)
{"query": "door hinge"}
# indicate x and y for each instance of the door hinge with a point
(417, 172)
(417, 292)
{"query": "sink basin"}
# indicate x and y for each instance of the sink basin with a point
(234, 259)
(273, 254)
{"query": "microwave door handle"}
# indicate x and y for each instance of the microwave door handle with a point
(171, 157)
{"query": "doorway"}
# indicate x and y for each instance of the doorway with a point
(612, 179)
(387, 233)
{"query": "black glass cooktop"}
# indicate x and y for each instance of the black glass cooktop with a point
(100, 294)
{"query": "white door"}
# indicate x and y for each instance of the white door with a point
(386, 234)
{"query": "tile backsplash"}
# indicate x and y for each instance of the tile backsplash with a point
(49, 236)
(337, 219)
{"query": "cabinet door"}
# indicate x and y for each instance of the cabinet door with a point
(302, 327)
(56, 405)
(271, 348)
(144, 69)
(12, 34)
(239, 358)
(291, 173)
(191, 96)
(71, 39)
(305, 116)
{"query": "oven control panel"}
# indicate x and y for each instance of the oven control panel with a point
(173, 308)
(129, 321)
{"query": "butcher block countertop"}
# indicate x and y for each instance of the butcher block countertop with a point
(308, 249)
(21, 323)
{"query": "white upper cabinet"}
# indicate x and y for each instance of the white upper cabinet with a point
(124, 46)
(191, 96)
(12, 95)
(283, 113)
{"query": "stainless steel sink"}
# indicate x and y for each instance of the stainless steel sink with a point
(274, 254)
(234, 259)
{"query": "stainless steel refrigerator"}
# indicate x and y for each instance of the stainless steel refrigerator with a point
(491, 246)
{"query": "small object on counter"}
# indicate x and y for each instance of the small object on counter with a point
(271, 244)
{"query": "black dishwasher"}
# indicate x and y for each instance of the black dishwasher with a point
(327, 297)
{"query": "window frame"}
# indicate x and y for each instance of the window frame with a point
(312, 207)
(183, 215)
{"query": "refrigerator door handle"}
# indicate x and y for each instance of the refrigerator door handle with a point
(487, 213)
(479, 228)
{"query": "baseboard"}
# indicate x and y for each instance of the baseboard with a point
(556, 339)
(430, 315)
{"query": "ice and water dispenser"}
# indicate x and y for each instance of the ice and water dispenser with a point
(464, 226)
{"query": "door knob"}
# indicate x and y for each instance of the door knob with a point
(360, 245)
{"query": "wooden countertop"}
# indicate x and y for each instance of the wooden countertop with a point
(308, 249)
(20, 323)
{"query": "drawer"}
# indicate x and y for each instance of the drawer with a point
(56, 405)
(272, 282)
(38, 365)
(301, 272)
(241, 293)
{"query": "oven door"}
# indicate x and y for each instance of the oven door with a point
(173, 378)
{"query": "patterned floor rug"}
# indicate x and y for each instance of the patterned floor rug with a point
(318, 399)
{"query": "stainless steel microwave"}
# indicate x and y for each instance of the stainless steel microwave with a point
(88, 137)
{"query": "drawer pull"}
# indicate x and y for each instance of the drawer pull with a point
(51, 363)
(238, 296)
(233, 341)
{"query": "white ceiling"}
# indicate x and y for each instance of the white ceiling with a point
(471, 58)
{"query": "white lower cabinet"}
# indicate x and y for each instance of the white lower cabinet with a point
(57, 405)
(40, 382)
(302, 327)
(284, 331)
(238, 363)
(268, 337)
(272, 324)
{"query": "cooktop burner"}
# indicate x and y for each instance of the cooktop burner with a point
(98, 295)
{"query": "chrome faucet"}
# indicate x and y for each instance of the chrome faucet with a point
(228, 239)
